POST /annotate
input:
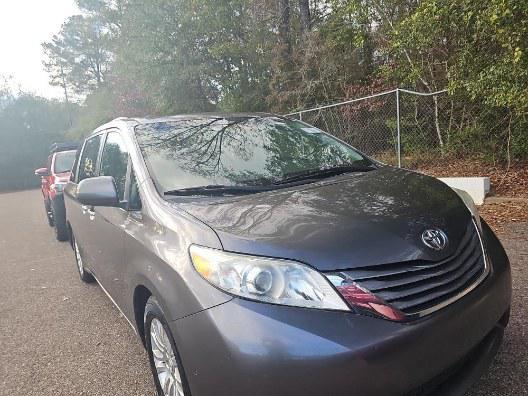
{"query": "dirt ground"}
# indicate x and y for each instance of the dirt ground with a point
(508, 198)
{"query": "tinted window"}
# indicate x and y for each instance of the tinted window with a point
(64, 161)
(114, 161)
(237, 151)
(89, 158)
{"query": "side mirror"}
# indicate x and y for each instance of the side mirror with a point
(42, 172)
(98, 191)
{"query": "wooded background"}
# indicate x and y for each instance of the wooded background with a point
(160, 57)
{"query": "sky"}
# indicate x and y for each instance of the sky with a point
(24, 25)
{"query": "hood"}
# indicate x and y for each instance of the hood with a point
(349, 221)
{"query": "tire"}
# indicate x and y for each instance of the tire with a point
(59, 220)
(85, 276)
(157, 333)
(49, 215)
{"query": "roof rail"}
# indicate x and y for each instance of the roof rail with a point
(64, 146)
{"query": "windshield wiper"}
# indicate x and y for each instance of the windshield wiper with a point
(215, 190)
(322, 173)
(263, 184)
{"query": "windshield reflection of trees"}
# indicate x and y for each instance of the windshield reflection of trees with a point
(391, 201)
(389, 194)
(241, 149)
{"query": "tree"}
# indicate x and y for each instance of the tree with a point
(190, 56)
(5, 93)
(79, 56)
(131, 57)
(28, 126)
(284, 27)
(304, 12)
(337, 53)
(238, 49)
(479, 51)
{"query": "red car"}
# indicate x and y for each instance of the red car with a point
(54, 177)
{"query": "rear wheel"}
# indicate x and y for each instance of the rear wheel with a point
(49, 215)
(59, 220)
(165, 362)
(83, 273)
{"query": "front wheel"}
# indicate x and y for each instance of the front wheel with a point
(83, 274)
(165, 362)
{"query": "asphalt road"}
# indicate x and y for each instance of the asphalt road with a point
(61, 337)
(58, 336)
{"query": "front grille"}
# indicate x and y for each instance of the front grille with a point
(420, 287)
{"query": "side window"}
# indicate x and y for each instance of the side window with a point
(114, 161)
(134, 200)
(89, 158)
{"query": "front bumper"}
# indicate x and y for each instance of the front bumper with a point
(247, 348)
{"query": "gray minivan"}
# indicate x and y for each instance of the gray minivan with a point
(258, 255)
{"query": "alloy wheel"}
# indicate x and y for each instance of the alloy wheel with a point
(165, 360)
(78, 258)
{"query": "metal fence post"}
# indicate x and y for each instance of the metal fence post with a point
(398, 126)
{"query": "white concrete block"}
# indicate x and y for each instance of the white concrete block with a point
(477, 187)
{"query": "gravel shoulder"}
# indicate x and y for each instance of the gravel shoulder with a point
(61, 337)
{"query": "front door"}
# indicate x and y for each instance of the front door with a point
(81, 216)
(109, 222)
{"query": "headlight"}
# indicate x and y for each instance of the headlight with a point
(470, 204)
(267, 280)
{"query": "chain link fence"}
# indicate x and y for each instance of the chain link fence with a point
(406, 128)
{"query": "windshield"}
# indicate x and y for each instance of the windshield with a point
(237, 151)
(64, 161)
